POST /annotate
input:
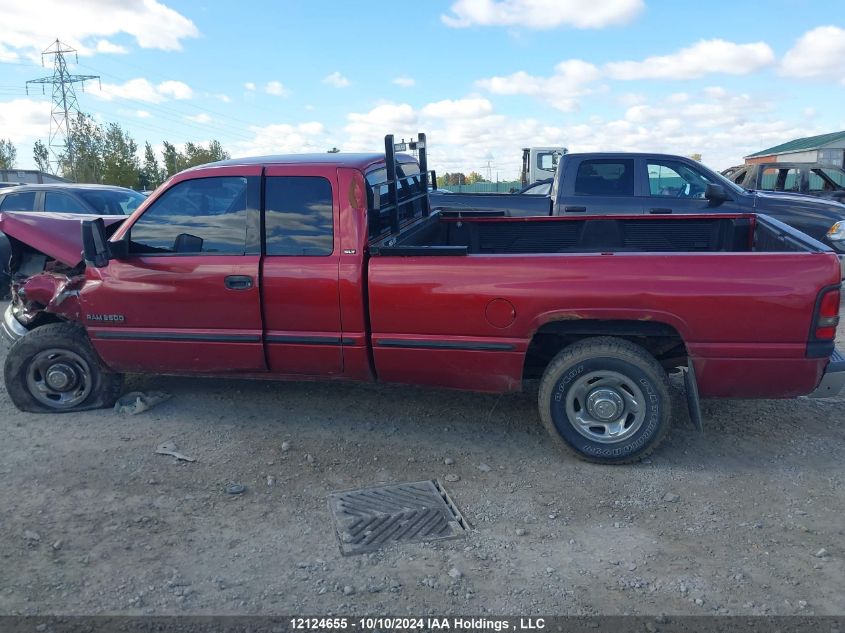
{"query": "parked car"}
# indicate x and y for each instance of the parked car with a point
(813, 179)
(95, 200)
(71, 198)
(655, 184)
(333, 266)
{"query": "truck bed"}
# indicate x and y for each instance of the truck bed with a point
(480, 289)
(458, 234)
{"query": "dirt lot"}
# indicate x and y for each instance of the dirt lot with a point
(746, 519)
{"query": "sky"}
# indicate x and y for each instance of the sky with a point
(482, 78)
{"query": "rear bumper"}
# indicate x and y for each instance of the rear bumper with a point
(10, 327)
(833, 379)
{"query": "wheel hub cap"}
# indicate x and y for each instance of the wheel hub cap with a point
(61, 377)
(605, 404)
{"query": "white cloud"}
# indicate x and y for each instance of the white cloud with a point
(570, 80)
(405, 82)
(249, 86)
(28, 27)
(141, 89)
(202, 117)
(702, 58)
(175, 89)
(275, 88)
(336, 79)
(24, 119)
(223, 97)
(285, 138)
(817, 54)
(104, 46)
(460, 108)
(142, 114)
(366, 130)
(542, 14)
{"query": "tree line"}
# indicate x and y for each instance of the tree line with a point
(107, 154)
(458, 178)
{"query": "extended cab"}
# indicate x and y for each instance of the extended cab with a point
(333, 266)
(654, 184)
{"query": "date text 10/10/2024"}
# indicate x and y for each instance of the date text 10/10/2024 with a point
(410, 624)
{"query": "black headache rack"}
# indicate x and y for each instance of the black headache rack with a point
(402, 195)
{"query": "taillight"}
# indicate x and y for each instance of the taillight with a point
(828, 317)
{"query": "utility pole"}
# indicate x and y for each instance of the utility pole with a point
(65, 106)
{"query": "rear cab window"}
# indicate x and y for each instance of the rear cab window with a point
(410, 184)
(605, 177)
(298, 216)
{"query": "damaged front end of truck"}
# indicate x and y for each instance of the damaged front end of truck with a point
(46, 269)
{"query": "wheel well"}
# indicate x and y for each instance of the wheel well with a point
(661, 340)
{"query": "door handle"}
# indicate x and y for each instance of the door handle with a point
(238, 282)
(660, 210)
(575, 209)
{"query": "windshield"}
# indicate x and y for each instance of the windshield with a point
(112, 201)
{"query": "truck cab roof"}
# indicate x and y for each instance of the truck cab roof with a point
(362, 161)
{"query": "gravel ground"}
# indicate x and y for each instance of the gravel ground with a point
(746, 519)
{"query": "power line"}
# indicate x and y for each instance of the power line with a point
(65, 105)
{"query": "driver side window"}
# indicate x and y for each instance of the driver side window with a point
(665, 181)
(675, 180)
(204, 215)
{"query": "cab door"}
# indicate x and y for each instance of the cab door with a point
(599, 186)
(301, 300)
(184, 297)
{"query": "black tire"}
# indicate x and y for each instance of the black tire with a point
(64, 347)
(605, 376)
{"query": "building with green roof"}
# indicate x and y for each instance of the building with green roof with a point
(828, 149)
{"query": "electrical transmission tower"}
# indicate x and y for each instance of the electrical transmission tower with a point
(65, 106)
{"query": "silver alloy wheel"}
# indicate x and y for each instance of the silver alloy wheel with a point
(58, 378)
(605, 406)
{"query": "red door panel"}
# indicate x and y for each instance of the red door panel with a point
(302, 328)
(178, 314)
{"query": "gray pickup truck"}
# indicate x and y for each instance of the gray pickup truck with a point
(637, 183)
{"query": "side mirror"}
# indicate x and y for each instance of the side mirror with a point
(95, 248)
(715, 193)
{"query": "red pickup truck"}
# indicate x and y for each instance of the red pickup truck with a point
(334, 266)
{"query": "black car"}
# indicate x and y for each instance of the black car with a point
(812, 179)
(71, 198)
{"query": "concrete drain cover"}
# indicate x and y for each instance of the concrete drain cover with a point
(372, 518)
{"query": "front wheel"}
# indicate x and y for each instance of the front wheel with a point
(53, 368)
(606, 400)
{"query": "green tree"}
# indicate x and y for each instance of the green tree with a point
(41, 156)
(196, 154)
(174, 161)
(475, 177)
(82, 159)
(452, 179)
(8, 154)
(120, 157)
(151, 175)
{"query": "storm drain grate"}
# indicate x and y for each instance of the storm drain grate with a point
(372, 518)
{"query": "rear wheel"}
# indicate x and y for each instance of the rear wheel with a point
(606, 400)
(53, 368)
